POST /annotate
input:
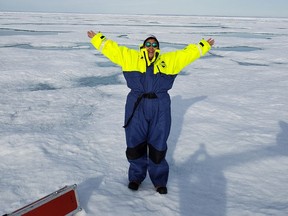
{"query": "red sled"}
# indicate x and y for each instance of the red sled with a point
(63, 202)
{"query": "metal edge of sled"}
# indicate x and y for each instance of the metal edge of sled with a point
(26, 209)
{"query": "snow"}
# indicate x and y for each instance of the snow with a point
(62, 110)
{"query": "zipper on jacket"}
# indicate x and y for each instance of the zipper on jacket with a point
(145, 59)
(158, 69)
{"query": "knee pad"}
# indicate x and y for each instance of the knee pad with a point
(155, 155)
(137, 151)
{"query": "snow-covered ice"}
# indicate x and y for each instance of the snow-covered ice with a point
(62, 109)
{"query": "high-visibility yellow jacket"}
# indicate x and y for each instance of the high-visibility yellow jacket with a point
(136, 65)
(170, 63)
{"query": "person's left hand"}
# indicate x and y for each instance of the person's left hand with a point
(211, 41)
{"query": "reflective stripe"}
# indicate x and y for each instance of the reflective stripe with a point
(200, 49)
(102, 44)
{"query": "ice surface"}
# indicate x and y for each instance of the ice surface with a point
(62, 109)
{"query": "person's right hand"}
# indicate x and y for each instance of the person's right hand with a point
(91, 34)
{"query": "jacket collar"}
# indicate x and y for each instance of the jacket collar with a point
(144, 51)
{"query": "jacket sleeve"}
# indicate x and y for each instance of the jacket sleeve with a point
(182, 58)
(109, 48)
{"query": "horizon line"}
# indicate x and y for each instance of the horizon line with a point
(143, 14)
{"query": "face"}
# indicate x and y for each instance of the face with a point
(151, 46)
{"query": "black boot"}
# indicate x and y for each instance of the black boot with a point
(133, 186)
(162, 190)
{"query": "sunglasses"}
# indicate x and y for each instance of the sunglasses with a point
(149, 44)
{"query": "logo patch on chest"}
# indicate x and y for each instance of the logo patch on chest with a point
(163, 64)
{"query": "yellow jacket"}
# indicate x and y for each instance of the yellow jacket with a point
(170, 63)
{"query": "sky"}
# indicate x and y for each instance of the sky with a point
(258, 8)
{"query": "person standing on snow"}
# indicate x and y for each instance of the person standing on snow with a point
(149, 75)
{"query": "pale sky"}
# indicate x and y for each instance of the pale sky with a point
(262, 8)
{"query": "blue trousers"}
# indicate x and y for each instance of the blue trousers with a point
(146, 138)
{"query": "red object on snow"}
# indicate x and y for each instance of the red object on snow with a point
(63, 202)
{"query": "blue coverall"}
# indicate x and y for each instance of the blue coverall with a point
(148, 110)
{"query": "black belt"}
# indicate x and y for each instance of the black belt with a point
(145, 95)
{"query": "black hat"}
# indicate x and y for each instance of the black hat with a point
(151, 37)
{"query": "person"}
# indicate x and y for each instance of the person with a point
(149, 75)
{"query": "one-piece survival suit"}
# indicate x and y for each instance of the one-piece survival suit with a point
(148, 111)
